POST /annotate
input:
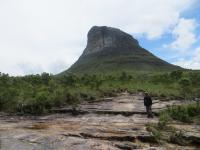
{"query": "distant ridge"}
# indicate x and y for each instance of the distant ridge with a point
(112, 50)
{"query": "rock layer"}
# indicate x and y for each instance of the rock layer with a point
(110, 49)
(91, 131)
(100, 38)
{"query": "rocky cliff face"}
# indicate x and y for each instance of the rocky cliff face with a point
(100, 38)
(112, 50)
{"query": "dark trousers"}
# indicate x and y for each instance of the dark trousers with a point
(149, 111)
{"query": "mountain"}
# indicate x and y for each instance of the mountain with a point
(112, 50)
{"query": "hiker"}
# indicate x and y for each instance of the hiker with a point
(148, 104)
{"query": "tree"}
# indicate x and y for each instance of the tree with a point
(69, 80)
(125, 77)
(185, 87)
(176, 75)
(45, 78)
(195, 78)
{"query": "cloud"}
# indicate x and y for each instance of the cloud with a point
(58, 66)
(192, 63)
(42, 32)
(185, 46)
(28, 68)
(184, 33)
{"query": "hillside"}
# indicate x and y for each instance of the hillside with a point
(112, 50)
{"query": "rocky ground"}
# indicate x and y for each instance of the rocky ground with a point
(112, 124)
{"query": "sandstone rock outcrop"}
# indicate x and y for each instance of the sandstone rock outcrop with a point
(100, 38)
(109, 49)
(94, 131)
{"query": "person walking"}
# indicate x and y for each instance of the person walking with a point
(148, 105)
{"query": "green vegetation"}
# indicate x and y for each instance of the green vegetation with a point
(185, 113)
(116, 60)
(164, 132)
(122, 53)
(36, 94)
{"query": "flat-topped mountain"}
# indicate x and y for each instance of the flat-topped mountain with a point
(112, 50)
(101, 38)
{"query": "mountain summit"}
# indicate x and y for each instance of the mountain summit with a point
(112, 50)
(101, 38)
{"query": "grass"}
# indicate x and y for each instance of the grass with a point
(187, 113)
(163, 132)
(37, 94)
(127, 60)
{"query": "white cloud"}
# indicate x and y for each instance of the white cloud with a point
(188, 64)
(193, 63)
(42, 32)
(184, 33)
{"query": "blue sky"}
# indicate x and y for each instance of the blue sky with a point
(49, 35)
(175, 55)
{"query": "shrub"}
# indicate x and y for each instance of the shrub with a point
(185, 87)
(184, 113)
(176, 75)
(164, 118)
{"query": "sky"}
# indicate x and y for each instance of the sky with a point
(49, 35)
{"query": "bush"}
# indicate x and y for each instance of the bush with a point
(185, 87)
(25, 93)
(164, 118)
(176, 75)
(156, 132)
(184, 113)
(195, 78)
(37, 105)
(8, 99)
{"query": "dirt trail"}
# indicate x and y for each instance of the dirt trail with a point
(113, 124)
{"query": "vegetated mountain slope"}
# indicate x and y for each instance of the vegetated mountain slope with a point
(112, 50)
